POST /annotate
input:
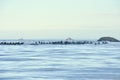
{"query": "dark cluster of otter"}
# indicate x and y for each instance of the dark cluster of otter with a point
(55, 42)
(68, 42)
(11, 43)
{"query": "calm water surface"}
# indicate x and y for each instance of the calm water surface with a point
(60, 62)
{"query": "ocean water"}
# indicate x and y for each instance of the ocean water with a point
(60, 62)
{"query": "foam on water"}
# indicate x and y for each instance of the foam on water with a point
(60, 62)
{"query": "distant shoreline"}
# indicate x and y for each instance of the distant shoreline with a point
(68, 41)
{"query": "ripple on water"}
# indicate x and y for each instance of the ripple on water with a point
(59, 62)
(15, 59)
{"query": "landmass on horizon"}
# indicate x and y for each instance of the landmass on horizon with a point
(102, 40)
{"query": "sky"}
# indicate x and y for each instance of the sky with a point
(59, 19)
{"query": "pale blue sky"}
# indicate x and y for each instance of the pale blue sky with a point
(59, 19)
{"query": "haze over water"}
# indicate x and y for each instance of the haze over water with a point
(59, 19)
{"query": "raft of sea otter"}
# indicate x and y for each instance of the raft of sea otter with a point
(11, 43)
(55, 42)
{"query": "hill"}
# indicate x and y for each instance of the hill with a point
(111, 39)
